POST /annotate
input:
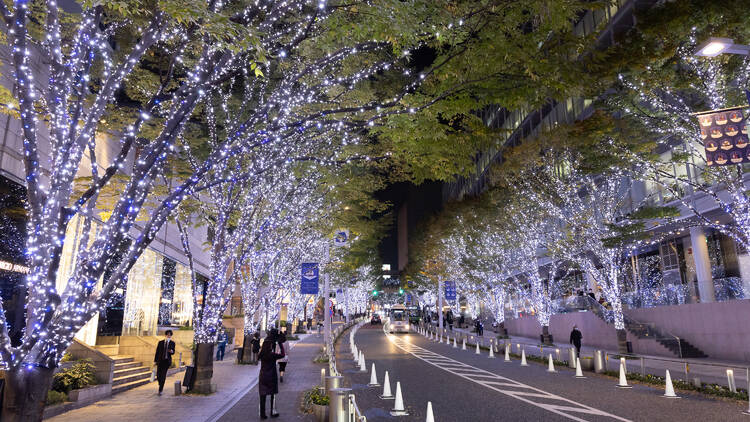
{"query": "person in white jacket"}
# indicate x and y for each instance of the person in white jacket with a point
(283, 361)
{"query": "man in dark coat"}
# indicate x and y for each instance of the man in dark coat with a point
(575, 339)
(268, 381)
(163, 358)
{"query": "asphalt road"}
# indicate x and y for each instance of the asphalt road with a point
(463, 386)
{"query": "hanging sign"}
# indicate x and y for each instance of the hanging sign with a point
(309, 284)
(724, 136)
(450, 290)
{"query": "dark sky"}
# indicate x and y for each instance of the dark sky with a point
(421, 200)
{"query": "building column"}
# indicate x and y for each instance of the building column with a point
(702, 264)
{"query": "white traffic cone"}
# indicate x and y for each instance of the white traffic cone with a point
(669, 388)
(507, 352)
(623, 379)
(455, 346)
(579, 372)
(373, 378)
(463, 345)
(362, 365)
(429, 417)
(387, 395)
(478, 352)
(398, 405)
(492, 352)
(551, 366)
(523, 358)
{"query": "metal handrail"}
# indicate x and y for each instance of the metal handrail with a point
(355, 415)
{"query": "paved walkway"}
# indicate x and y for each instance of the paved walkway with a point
(707, 369)
(143, 404)
(302, 374)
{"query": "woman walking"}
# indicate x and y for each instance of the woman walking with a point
(268, 382)
(284, 346)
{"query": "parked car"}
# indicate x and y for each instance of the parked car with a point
(375, 320)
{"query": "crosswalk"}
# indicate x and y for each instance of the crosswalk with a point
(519, 391)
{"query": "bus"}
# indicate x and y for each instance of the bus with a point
(398, 319)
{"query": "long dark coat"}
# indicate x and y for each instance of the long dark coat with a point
(268, 380)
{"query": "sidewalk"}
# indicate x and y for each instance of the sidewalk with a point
(143, 404)
(302, 374)
(709, 370)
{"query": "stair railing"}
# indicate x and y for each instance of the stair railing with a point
(607, 316)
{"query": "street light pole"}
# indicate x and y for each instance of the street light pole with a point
(440, 305)
(327, 302)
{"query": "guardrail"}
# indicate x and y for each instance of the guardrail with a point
(354, 414)
(561, 353)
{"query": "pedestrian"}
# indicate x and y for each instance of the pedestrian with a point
(255, 348)
(575, 339)
(283, 344)
(461, 321)
(221, 345)
(268, 381)
(309, 324)
(450, 320)
(481, 328)
(163, 358)
(320, 326)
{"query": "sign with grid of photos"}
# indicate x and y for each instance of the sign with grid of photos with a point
(724, 136)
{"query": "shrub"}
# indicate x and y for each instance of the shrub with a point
(80, 375)
(55, 397)
(67, 357)
(311, 397)
(316, 397)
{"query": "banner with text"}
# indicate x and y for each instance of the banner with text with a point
(309, 284)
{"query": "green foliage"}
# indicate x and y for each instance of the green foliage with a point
(311, 397)
(80, 375)
(55, 397)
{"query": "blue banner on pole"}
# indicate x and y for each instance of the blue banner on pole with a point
(309, 283)
(450, 290)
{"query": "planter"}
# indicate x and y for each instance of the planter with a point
(91, 393)
(587, 364)
(320, 412)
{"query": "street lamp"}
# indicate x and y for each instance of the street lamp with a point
(715, 46)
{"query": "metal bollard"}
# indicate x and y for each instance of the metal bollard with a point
(730, 381)
(322, 377)
(598, 362)
(333, 382)
(643, 367)
(339, 404)
(572, 357)
(179, 361)
(177, 388)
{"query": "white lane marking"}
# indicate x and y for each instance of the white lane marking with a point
(438, 361)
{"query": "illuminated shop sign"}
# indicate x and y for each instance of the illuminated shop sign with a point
(16, 268)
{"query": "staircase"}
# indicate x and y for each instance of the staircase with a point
(128, 373)
(679, 347)
(648, 331)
